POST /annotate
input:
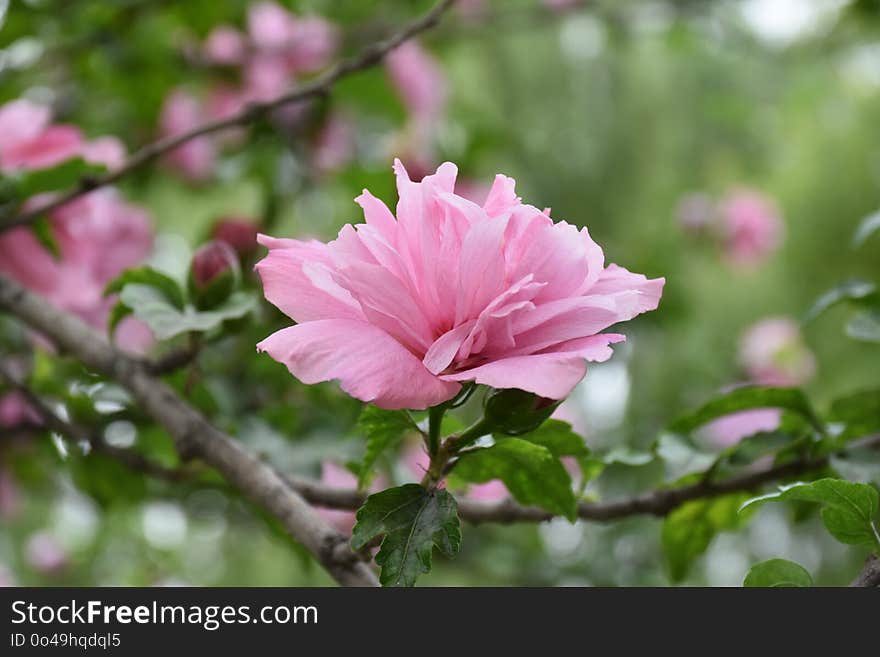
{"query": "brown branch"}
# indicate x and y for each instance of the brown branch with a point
(194, 436)
(321, 85)
(870, 575)
(173, 360)
(658, 502)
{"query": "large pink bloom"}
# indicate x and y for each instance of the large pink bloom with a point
(98, 236)
(401, 311)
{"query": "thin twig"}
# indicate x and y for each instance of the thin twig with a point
(321, 85)
(870, 575)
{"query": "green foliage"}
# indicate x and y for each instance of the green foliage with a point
(868, 226)
(689, 529)
(151, 278)
(778, 572)
(59, 177)
(383, 430)
(745, 398)
(530, 471)
(166, 321)
(865, 326)
(854, 291)
(513, 412)
(849, 509)
(413, 521)
(859, 413)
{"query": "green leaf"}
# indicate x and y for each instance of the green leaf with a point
(532, 474)
(383, 430)
(745, 398)
(854, 290)
(750, 449)
(119, 312)
(867, 227)
(62, 176)
(42, 230)
(413, 521)
(558, 437)
(859, 412)
(151, 277)
(777, 573)
(150, 305)
(848, 510)
(865, 326)
(689, 529)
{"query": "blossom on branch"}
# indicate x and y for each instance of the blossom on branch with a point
(403, 310)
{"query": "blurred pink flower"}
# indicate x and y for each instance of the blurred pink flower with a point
(225, 46)
(334, 144)
(695, 212)
(305, 43)
(773, 352)
(28, 140)
(401, 311)
(336, 476)
(730, 429)
(98, 236)
(15, 411)
(419, 81)
(751, 226)
(197, 158)
(45, 555)
(10, 498)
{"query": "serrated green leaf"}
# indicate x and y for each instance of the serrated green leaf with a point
(412, 521)
(383, 431)
(61, 176)
(745, 398)
(865, 326)
(867, 227)
(165, 321)
(689, 529)
(778, 573)
(854, 290)
(532, 474)
(152, 278)
(849, 509)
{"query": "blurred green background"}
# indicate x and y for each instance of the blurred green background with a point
(610, 114)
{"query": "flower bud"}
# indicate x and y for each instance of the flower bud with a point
(514, 411)
(237, 232)
(214, 274)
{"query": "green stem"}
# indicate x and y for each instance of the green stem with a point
(435, 420)
(477, 430)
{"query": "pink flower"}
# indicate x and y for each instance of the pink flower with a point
(334, 145)
(197, 158)
(306, 44)
(773, 352)
(45, 555)
(29, 141)
(695, 212)
(419, 81)
(751, 226)
(15, 411)
(98, 235)
(210, 261)
(730, 429)
(401, 311)
(225, 46)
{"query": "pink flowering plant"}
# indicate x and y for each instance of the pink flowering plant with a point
(268, 315)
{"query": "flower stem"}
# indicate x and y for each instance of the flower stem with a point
(435, 420)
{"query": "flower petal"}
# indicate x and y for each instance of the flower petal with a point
(369, 364)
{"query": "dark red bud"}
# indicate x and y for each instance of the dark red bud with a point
(237, 232)
(210, 261)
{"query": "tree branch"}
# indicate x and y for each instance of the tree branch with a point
(194, 436)
(321, 85)
(870, 575)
